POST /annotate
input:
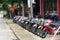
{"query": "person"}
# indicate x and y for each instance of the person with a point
(12, 11)
(9, 9)
(19, 11)
(27, 11)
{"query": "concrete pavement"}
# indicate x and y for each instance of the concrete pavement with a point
(5, 32)
(23, 34)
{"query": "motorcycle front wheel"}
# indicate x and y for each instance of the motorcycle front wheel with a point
(44, 34)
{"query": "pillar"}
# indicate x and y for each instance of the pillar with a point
(40, 7)
(58, 8)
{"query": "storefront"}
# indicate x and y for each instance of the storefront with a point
(49, 7)
(32, 10)
(36, 8)
(42, 7)
(27, 7)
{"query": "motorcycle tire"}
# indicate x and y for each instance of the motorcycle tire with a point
(39, 31)
(27, 27)
(33, 29)
(44, 34)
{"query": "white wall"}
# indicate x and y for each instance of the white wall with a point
(29, 2)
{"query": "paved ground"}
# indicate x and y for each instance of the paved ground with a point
(23, 34)
(5, 32)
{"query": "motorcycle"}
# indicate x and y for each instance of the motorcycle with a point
(22, 21)
(26, 22)
(39, 29)
(31, 23)
(37, 26)
(16, 18)
(42, 25)
(49, 29)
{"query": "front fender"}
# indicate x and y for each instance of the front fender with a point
(46, 28)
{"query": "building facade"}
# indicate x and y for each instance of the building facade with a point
(50, 6)
(41, 7)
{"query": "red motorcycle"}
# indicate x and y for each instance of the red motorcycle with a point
(49, 29)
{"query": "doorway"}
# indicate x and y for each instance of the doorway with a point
(50, 8)
(36, 8)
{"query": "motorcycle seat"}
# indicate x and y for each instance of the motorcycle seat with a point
(53, 25)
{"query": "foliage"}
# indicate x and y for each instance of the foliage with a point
(0, 5)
